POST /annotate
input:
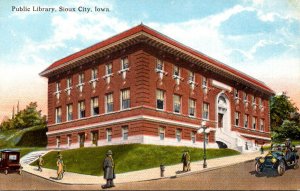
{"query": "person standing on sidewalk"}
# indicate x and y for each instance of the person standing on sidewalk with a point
(185, 159)
(60, 166)
(40, 163)
(109, 170)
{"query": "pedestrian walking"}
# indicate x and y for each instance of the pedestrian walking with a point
(40, 163)
(60, 166)
(109, 170)
(262, 149)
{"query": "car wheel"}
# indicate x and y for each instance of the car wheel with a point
(5, 171)
(281, 168)
(257, 169)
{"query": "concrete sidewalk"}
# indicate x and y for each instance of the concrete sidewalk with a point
(142, 175)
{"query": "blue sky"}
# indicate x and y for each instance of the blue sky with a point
(260, 38)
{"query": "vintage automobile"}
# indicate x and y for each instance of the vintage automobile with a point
(10, 161)
(279, 159)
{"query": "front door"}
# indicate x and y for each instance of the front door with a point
(220, 120)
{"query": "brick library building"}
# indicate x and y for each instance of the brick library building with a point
(141, 86)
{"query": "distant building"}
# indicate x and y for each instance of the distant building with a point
(141, 86)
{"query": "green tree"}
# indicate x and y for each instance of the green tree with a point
(281, 109)
(284, 118)
(28, 117)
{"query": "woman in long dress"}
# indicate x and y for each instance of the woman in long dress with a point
(60, 165)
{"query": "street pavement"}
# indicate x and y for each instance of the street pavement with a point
(141, 175)
(235, 177)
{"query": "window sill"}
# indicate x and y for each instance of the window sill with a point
(177, 77)
(79, 85)
(94, 80)
(123, 70)
(107, 75)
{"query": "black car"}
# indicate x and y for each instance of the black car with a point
(278, 159)
(10, 161)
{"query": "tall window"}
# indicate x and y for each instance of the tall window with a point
(81, 109)
(192, 106)
(58, 115)
(259, 101)
(58, 141)
(236, 93)
(69, 83)
(193, 137)
(262, 125)
(159, 64)
(124, 63)
(94, 106)
(108, 69)
(125, 132)
(57, 86)
(94, 73)
(204, 81)
(95, 137)
(125, 99)
(161, 133)
(176, 103)
(178, 135)
(245, 97)
(192, 76)
(81, 78)
(176, 71)
(246, 120)
(254, 122)
(109, 103)
(69, 140)
(237, 118)
(108, 135)
(69, 112)
(205, 112)
(160, 97)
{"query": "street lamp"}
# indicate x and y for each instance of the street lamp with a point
(205, 131)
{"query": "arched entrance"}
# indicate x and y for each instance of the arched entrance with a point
(223, 112)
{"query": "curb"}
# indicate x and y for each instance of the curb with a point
(159, 178)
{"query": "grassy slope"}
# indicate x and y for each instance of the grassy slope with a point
(127, 157)
(27, 140)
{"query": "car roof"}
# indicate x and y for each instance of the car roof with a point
(10, 150)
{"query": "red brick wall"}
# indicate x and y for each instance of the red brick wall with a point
(142, 80)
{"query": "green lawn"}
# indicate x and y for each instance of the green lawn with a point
(127, 157)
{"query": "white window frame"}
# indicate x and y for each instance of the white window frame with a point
(193, 107)
(174, 104)
(108, 69)
(69, 106)
(107, 96)
(176, 69)
(205, 110)
(124, 132)
(108, 133)
(178, 135)
(95, 102)
(193, 137)
(58, 118)
(69, 140)
(245, 97)
(124, 62)
(79, 109)
(122, 99)
(159, 62)
(162, 131)
(158, 98)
